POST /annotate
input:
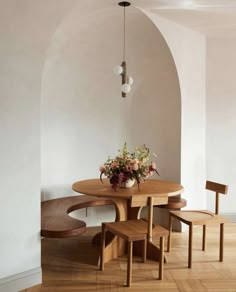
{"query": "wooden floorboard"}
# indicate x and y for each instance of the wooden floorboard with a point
(70, 265)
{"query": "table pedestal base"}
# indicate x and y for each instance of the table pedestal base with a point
(128, 204)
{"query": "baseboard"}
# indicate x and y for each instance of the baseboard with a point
(21, 281)
(230, 216)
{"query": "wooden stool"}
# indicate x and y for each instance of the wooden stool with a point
(174, 203)
(137, 230)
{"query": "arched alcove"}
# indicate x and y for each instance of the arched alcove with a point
(84, 118)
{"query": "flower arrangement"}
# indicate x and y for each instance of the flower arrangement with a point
(135, 166)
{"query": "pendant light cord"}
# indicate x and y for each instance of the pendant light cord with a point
(124, 33)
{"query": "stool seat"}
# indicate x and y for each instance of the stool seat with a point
(174, 203)
(135, 229)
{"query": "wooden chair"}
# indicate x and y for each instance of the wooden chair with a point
(135, 230)
(201, 217)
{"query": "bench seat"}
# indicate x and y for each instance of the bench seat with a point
(55, 221)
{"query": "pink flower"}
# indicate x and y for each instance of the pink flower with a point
(153, 165)
(135, 166)
(102, 168)
(129, 167)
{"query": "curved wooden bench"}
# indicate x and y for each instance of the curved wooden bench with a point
(55, 221)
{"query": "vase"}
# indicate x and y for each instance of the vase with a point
(127, 184)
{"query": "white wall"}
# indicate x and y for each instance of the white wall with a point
(24, 35)
(85, 119)
(19, 148)
(189, 51)
(221, 119)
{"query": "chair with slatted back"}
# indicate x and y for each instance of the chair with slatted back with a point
(137, 230)
(201, 217)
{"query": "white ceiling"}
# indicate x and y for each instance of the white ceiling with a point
(211, 17)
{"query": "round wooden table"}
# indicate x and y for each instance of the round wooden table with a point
(128, 203)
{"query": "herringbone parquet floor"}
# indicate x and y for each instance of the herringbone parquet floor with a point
(70, 265)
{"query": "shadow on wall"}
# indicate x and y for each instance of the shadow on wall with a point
(56, 191)
(94, 216)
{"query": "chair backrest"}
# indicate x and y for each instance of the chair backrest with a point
(218, 189)
(154, 201)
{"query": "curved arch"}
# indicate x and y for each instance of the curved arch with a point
(188, 49)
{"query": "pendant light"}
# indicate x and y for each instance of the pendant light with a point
(126, 81)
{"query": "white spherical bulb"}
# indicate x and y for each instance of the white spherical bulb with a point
(125, 88)
(117, 70)
(130, 80)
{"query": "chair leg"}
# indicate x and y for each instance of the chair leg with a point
(221, 242)
(129, 264)
(161, 258)
(204, 237)
(190, 246)
(170, 231)
(144, 250)
(103, 239)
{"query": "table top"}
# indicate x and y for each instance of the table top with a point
(151, 187)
